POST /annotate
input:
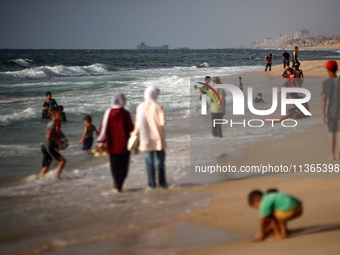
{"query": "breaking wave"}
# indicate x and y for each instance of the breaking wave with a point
(44, 72)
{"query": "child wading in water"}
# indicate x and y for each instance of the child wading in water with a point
(87, 139)
(258, 99)
(51, 102)
(50, 144)
(45, 113)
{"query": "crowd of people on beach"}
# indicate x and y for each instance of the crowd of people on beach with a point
(113, 137)
(117, 128)
(293, 77)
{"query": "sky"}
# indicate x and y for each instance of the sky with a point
(122, 24)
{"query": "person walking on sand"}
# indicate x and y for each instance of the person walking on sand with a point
(295, 58)
(331, 98)
(114, 135)
(150, 122)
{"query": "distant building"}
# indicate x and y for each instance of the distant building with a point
(299, 38)
(304, 33)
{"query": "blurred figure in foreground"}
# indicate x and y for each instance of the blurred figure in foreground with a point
(114, 135)
(150, 122)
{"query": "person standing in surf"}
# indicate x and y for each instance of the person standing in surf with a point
(87, 138)
(114, 135)
(52, 141)
(51, 102)
(268, 62)
(218, 109)
(150, 122)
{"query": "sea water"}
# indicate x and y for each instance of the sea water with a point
(84, 81)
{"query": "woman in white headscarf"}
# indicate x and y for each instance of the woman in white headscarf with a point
(114, 133)
(150, 121)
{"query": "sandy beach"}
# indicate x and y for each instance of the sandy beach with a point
(334, 46)
(317, 231)
(311, 69)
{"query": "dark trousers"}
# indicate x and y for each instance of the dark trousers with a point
(119, 168)
(150, 167)
(217, 130)
(296, 63)
(284, 63)
(270, 67)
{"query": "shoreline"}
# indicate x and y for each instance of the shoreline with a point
(310, 68)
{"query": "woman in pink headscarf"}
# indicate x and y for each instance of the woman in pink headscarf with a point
(150, 121)
(115, 132)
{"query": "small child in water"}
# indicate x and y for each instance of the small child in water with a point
(87, 139)
(45, 113)
(51, 102)
(63, 115)
(276, 209)
(258, 99)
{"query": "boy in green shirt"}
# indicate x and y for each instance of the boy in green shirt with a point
(276, 209)
(51, 102)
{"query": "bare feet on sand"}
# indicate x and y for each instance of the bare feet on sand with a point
(331, 157)
(275, 238)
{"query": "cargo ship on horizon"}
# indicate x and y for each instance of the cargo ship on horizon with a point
(143, 46)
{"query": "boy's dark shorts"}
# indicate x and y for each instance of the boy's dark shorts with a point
(87, 144)
(49, 154)
(333, 125)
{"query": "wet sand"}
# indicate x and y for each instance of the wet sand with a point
(317, 231)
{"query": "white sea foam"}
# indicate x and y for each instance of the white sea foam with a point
(22, 62)
(338, 56)
(32, 73)
(43, 72)
(10, 150)
(28, 113)
(205, 64)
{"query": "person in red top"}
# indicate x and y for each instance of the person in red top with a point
(291, 78)
(114, 133)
